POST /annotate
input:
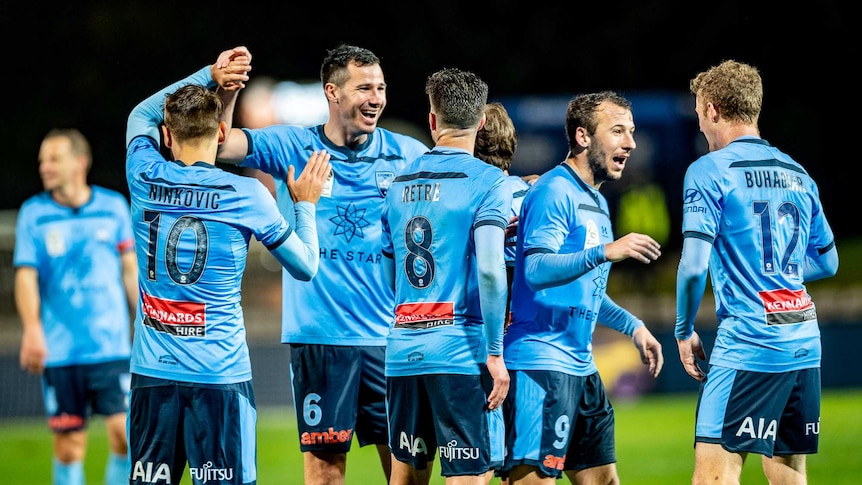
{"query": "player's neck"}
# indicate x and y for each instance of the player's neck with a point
(72, 195)
(582, 167)
(732, 132)
(191, 154)
(456, 138)
(343, 136)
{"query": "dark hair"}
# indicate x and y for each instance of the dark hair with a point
(581, 112)
(193, 112)
(334, 67)
(497, 140)
(457, 97)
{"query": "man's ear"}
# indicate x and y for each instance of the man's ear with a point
(329, 90)
(482, 121)
(712, 113)
(222, 132)
(432, 121)
(166, 133)
(582, 137)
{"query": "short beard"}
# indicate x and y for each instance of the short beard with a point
(596, 160)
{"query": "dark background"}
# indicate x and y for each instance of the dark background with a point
(86, 64)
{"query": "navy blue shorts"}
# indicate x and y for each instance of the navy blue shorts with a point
(210, 426)
(445, 414)
(758, 412)
(338, 391)
(557, 421)
(71, 393)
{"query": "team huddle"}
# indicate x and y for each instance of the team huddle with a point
(464, 333)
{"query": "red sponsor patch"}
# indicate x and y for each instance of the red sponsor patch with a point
(424, 315)
(174, 317)
(787, 306)
(785, 301)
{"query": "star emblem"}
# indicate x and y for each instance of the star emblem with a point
(349, 222)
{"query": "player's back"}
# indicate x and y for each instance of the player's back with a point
(430, 213)
(764, 211)
(192, 226)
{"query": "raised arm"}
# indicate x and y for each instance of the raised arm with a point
(235, 63)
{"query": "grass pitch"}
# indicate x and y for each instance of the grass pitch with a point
(654, 446)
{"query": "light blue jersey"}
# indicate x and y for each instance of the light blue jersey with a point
(348, 302)
(432, 208)
(552, 328)
(192, 227)
(76, 252)
(762, 214)
(519, 189)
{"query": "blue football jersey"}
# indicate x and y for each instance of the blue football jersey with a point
(762, 212)
(348, 302)
(552, 329)
(76, 252)
(429, 215)
(519, 190)
(192, 227)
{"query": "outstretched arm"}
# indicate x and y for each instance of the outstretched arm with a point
(145, 118)
(544, 270)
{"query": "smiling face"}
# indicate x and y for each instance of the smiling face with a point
(359, 102)
(612, 143)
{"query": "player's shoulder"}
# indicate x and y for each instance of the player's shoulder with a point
(284, 132)
(400, 139)
(36, 199)
(106, 192)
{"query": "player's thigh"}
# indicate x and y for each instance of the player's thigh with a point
(64, 392)
(468, 434)
(325, 381)
(540, 412)
(108, 385)
(593, 441)
(412, 436)
(155, 416)
(733, 412)
(371, 422)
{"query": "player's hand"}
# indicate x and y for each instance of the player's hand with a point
(34, 350)
(530, 179)
(689, 351)
(231, 69)
(311, 181)
(512, 231)
(500, 375)
(650, 350)
(633, 245)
